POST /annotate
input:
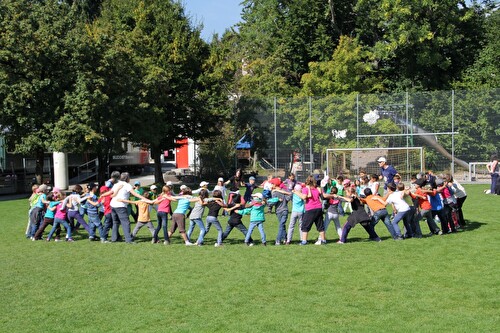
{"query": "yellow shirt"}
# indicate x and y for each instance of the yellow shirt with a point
(143, 208)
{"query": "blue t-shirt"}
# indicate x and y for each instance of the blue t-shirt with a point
(39, 203)
(388, 174)
(50, 214)
(182, 205)
(298, 205)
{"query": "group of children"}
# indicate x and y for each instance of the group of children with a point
(426, 197)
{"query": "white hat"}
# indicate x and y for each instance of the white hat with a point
(203, 183)
(153, 187)
(381, 159)
(258, 195)
(220, 179)
(183, 187)
(169, 183)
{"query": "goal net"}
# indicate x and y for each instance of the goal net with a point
(349, 162)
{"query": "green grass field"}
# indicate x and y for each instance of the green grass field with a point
(436, 284)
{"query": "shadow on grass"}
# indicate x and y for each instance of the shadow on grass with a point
(473, 225)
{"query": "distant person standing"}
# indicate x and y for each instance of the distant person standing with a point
(387, 172)
(493, 169)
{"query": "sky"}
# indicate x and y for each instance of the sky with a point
(216, 15)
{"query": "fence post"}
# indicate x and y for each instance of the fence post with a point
(275, 138)
(311, 157)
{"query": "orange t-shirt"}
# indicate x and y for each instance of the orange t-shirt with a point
(374, 205)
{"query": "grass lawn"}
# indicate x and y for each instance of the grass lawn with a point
(444, 283)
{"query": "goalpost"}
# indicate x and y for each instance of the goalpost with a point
(349, 162)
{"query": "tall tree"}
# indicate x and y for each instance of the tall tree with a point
(34, 55)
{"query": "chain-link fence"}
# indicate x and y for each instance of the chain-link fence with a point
(455, 128)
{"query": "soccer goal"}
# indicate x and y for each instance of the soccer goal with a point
(349, 162)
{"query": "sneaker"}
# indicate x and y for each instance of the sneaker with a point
(188, 243)
(440, 233)
(91, 238)
(340, 242)
(104, 241)
(249, 244)
(399, 238)
(58, 240)
(166, 243)
(320, 242)
(47, 240)
(277, 243)
(264, 244)
(69, 240)
(287, 243)
(303, 243)
(198, 244)
(32, 238)
(217, 245)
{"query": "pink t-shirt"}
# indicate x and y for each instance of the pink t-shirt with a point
(60, 214)
(314, 202)
(164, 206)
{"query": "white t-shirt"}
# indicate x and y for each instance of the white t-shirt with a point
(123, 193)
(399, 203)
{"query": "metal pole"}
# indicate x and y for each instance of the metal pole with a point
(357, 120)
(275, 139)
(311, 158)
(452, 136)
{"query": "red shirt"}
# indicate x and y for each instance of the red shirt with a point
(105, 200)
(424, 204)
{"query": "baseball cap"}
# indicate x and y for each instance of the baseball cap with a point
(220, 179)
(91, 185)
(346, 182)
(137, 183)
(298, 187)
(153, 187)
(183, 187)
(258, 195)
(203, 183)
(169, 183)
(381, 159)
(252, 178)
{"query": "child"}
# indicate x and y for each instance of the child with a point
(73, 203)
(358, 215)
(143, 216)
(256, 212)
(333, 210)
(249, 188)
(298, 209)
(373, 184)
(214, 207)
(379, 211)
(164, 209)
(60, 218)
(49, 217)
(105, 201)
(235, 219)
(36, 214)
(93, 213)
(179, 215)
(425, 208)
(195, 217)
(280, 198)
(400, 208)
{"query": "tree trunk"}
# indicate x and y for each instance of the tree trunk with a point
(103, 161)
(40, 156)
(156, 155)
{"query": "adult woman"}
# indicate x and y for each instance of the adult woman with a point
(494, 170)
(179, 216)
(311, 194)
